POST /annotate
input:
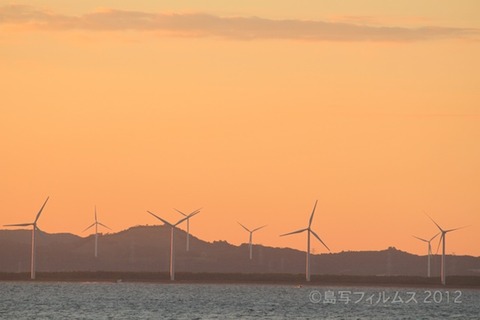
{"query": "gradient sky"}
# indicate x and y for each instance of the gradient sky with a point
(251, 110)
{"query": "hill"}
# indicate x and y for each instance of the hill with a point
(147, 249)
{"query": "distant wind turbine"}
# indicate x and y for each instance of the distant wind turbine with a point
(172, 238)
(250, 238)
(429, 250)
(188, 224)
(309, 231)
(96, 223)
(34, 228)
(442, 239)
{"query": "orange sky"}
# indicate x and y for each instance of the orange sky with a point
(251, 111)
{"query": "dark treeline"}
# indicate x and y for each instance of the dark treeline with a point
(260, 278)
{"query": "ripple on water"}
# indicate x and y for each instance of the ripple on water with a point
(26, 300)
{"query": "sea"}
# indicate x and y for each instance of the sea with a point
(131, 300)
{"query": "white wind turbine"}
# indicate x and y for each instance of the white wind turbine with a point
(251, 233)
(442, 239)
(34, 229)
(429, 250)
(96, 223)
(309, 231)
(188, 224)
(172, 238)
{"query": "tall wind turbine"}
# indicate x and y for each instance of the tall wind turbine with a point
(309, 231)
(96, 223)
(442, 239)
(34, 229)
(188, 224)
(172, 238)
(429, 250)
(251, 233)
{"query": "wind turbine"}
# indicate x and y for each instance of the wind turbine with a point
(34, 229)
(188, 224)
(96, 223)
(442, 239)
(251, 233)
(429, 250)
(309, 231)
(172, 238)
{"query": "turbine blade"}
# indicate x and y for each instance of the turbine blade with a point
(190, 214)
(259, 228)
(18, 225)
(164, 221)
(316, 236)
(421, 238)
(456, 229)
(243, 226)
(181, 220)
(41, 209)
(313, 212)
(183, 214)
(89, 227)
(434, 222)
(96, 214)
(293, 232)
(434, 236)
(439, 241)
(104, 225)
(194, 213)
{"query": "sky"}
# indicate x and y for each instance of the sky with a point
(250, 110)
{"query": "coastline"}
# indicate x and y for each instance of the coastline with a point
(463, 282)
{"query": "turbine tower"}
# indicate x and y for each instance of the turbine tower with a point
(429, 250)
(34, 229)
(172, 238)
(96, 223)
(251, 233)
(309, 231)
(188, 224)
(442, 239)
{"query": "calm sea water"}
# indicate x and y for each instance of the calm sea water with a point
(25, 300)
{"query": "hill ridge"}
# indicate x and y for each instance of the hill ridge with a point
(147, 249)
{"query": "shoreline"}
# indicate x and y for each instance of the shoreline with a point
(298, 280)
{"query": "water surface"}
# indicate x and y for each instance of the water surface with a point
(64, 300)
